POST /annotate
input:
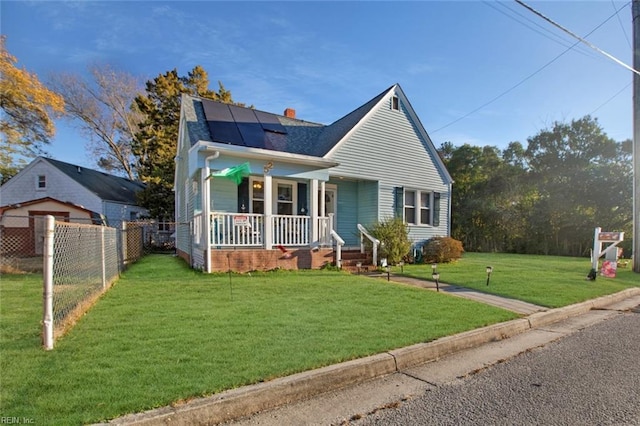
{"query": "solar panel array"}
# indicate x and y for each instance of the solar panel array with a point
(240, 126)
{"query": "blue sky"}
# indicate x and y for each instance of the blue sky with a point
(324, 59)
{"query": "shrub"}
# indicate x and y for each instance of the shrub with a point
(442, 250)
(394, 237)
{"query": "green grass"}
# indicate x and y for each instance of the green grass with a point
(544, 280)
(165, 333)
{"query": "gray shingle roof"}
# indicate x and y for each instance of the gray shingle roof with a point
(301, 137)
(107, 187)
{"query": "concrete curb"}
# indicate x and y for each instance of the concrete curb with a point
(248, 400)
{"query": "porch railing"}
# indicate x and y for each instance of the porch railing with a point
(325, 226)
(291, 230)
(237, 229)
(374, 242)
(248, 230)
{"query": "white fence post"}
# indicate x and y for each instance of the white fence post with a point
(47, 320)
(104, 262)
(123, 243)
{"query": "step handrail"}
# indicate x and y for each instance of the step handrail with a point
(339, 244)
(374, 240)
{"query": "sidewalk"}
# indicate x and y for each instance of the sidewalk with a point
(245, 401)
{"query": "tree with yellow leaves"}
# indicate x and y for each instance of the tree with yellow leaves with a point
(26, 123)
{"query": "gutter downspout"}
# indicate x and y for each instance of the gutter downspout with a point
(449, 210)
(206, 208)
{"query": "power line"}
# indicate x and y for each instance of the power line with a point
(611, 98)
(597, 49)
(620, 22)
(521, 81)
(550, 34)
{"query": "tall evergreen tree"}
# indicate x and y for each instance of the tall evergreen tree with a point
(155, 143)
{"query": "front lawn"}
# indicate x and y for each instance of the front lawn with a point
(164, 333)
(550, 281)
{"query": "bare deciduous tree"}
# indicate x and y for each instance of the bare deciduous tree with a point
(106, 113)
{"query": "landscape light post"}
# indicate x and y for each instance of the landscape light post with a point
(489, 271)
(358, 265)
(436, 278)
(401, 263)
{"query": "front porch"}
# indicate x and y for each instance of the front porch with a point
(245, 242)
(245, 230)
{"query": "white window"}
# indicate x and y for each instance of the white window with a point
(395, 103)
(285, 199)
(41, 183)
(410, 207)
(425, 208)
(257, 197)
(417, 207)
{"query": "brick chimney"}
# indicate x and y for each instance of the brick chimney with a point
(290, 112)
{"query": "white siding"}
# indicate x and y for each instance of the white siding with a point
(22, 187)
(116, 213)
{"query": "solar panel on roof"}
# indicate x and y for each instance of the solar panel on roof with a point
(222, 125)
(270, 122)
(251, 131)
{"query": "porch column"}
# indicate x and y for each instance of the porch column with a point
(206, 215)
(268, 212)
(313, 206)
(323, 206)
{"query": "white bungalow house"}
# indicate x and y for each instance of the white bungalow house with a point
(261, 190)
(113, 198)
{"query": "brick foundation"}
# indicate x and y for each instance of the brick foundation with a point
(245, 260)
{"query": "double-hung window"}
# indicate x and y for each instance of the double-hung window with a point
(41, 183)
(417, 207)
(285, 198)
(425, 208)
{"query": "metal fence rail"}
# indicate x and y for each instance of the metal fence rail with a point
(79, 261)
(83, 263)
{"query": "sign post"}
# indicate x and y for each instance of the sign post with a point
(610, 252)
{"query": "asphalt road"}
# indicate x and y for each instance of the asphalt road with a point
(591, 377)
(584, 370)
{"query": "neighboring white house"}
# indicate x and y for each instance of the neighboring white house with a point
(254, 185)
(110, 197)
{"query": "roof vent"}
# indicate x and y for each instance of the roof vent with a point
(79, 169)
(290, 112)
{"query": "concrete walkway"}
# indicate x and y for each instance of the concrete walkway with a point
(513, 305)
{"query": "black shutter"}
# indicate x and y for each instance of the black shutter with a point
(243, 196)
(398, 201)
(303, 202)
(436, 209)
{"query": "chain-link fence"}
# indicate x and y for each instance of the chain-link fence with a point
(84, 264)
(78, 260)
(21, 241)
